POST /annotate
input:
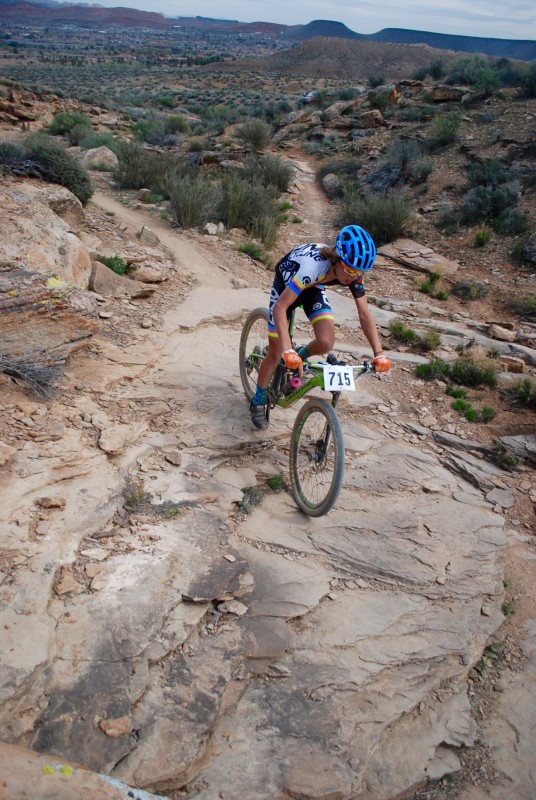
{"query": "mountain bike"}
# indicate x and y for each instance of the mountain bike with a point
(316, 443)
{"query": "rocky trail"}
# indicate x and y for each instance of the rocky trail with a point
(173, 622)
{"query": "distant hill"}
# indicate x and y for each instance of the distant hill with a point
(340, 59)
(50, 11)
(320, 27)
(523, 50)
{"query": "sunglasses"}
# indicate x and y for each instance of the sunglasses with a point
(350, 270)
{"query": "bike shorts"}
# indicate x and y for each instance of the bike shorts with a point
(313, 301)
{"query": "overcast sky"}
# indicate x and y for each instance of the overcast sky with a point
(497, 19)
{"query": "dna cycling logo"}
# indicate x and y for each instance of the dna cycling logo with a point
(317, 306)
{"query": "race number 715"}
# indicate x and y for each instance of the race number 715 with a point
(338, 379)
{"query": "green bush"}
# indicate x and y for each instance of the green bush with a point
(251, 249)
(66, 121)
(141, 169)
(504, 458)
(386, 217)
(93, 140)
(445, 130)
(466, 290)
(522, 393)
(254, 132)
(431, 340)
(510, 222)
(528, 81)
(250, 206)
(402, 332)
(436, 369)
(115, 263)
(482, 237)
(193, 200)
(472, 371)
(47, 158)
(405, 163)
(269, 171)
(77, 133)
(525, 306)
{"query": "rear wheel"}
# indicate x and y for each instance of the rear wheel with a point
(316, 458)
(253, 348)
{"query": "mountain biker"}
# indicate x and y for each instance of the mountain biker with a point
(300, 278)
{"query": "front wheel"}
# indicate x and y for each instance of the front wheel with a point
(253, 348)
(316, 458)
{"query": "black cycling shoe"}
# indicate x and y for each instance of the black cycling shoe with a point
(258, 416)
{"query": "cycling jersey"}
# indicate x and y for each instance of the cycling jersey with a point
(303, 271)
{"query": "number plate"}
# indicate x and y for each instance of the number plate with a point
(338, 379)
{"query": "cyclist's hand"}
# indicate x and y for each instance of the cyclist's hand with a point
(381, 363)
(293, 361)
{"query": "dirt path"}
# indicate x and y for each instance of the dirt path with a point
(204, 265)
(192, 632)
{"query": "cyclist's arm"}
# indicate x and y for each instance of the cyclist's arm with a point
(285, 300)
(368, 325)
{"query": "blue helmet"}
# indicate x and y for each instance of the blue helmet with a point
(355, 247)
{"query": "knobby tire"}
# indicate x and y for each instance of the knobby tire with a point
(316, 458)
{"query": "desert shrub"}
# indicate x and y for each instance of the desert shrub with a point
(417, 112)
(474, 70)
(522, 393)
(528, 81)
(437, 69)
(142, 169)
(486, 203)
(156, 130)
(404, 163)
(41, 156)
(41, 379)
(249, 205)
(466, 290)
(269, 171)
(435, 369)
(525, 306)
(510, 222)
(376, 80)
(402, 332)
(254, 132)
(176, 123)
(65, 121)
(93, 140)
(431, 340)
(474, 370)
(504, 458)
(163, 100)
(77, 133)
(386, 217)
(445, 130)
(482, 237)
(251, 249)
(193, 200)
(488, 172)
(115, 263)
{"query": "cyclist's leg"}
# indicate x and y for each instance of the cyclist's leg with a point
(318, 310)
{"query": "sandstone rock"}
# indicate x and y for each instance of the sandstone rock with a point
(98, 156)
(447, 94)
(43, 318)
(27, 774)
(330, 182)
(418, 257)
(116, 727)
(33, 234)
(59, 200)
(512, 364)
(370, 119)
(389, 94)
(106, 282)
(503, 334)
(148, 237)
(148, 275)
(6, 453)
